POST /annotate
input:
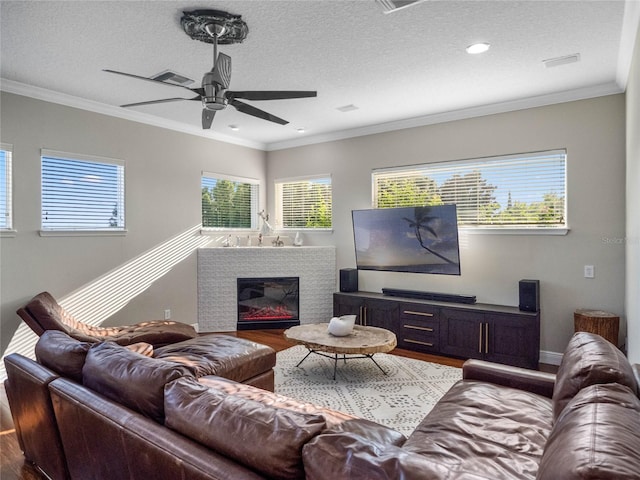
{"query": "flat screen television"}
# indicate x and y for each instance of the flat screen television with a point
(407, 239)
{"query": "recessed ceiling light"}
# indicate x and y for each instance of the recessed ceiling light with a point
(235, 128)
(301, 130)
(557, 61)
(478, 48)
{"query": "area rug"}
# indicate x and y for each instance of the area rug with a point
(399, 400)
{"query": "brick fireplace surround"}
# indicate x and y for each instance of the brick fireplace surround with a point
(220, 267)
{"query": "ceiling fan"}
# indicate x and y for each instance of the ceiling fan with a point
(218, 27)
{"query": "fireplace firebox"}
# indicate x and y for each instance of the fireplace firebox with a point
(265, 303)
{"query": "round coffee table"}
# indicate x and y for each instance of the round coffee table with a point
(363, 342)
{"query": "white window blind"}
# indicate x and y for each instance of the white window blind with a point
(229, 202)
(304, 203)
(6, 194)
(524, 190)
(81, 193)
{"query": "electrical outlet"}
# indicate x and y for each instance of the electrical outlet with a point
(589, 271)
(167, 314)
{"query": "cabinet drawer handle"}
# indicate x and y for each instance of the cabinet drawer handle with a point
(426, 344)
(414, 327)
(486, 337)
(422, 314)
(480, 340)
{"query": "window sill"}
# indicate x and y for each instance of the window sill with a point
(9, 233)
(306, 230)
(514, 231)
(83, 233)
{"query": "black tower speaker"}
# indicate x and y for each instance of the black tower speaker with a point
(529, 295)
(348, 280)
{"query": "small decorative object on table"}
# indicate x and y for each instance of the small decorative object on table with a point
(342, 326)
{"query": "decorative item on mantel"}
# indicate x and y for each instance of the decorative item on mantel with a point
(277, 242)
(298, 240)
(266, 229)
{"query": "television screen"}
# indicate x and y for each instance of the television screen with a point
(407, 239)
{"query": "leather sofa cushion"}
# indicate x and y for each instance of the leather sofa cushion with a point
(589, 359)
(486, 429)
(596, 436)
(348, 456)
(263, 437)
(62, 354)
(222, 355)
(129, 378)
(336, 421)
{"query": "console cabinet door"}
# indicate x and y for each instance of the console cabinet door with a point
(347, 305)
(461, 333)
(513, 340)
(381, 313)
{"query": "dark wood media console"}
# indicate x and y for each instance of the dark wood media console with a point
(490, 332)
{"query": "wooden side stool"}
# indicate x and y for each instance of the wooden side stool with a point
(601, 323)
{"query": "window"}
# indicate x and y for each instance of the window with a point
(6, 195)
(516, 191)
(304, 203)
(229, 202)
(81, 193)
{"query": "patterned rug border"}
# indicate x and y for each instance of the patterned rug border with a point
(400, 399)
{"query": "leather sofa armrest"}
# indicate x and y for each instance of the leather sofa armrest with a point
(533, 381)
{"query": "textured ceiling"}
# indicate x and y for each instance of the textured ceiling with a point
(410, 64)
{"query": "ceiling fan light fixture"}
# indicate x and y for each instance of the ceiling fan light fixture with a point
(477, 48)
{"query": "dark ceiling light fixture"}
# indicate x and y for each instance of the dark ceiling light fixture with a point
(219, 28)
(390, 6)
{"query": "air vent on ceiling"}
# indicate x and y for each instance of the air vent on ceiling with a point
(557, 61)
(347, 108)
(172, 77)
(390, 6)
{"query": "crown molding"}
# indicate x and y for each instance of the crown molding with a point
(46, 95)
(473, 112)
(38, 93)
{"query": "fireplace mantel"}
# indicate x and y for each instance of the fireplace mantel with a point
(220, 267)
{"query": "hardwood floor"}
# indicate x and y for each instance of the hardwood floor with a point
(14, 467)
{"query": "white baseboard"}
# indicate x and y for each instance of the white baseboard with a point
(550, 358)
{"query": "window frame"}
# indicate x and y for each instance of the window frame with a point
(516, 229)
(279, 207)
(71, 231)
(255, 209)
(9, 230)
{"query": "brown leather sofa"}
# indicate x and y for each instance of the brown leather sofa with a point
(129, 416)
(43, 313)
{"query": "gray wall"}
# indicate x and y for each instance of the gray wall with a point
(163, 199)
(592, 131)
(633, 205)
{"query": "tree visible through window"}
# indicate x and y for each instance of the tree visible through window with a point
(81, 193)
(304, 203)
(526, 190)
(229, 203)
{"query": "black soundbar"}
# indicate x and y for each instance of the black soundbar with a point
(438, 297)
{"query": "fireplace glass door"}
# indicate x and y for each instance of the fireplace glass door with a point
(268, 303)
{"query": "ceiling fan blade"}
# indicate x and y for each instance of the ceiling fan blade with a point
(207, 118)
(199, 91)
(256, 112)
(271, 95)
(222, 70)
(163, 100)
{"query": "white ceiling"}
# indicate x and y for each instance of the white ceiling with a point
(400, 69)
